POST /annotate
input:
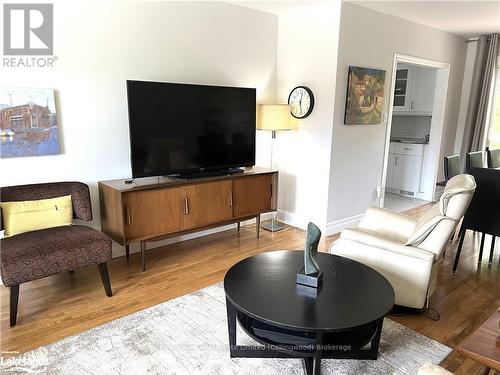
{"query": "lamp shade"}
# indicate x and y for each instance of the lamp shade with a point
(275, 117)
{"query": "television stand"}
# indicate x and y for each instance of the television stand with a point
(210, 173)
(154, 208)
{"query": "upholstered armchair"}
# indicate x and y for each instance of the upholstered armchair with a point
(37, 254)
(406, 250)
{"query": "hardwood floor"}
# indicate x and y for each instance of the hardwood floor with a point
(53, 308)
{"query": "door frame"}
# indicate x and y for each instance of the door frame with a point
(432, 157)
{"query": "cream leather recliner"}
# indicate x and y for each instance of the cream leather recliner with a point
(406, 250)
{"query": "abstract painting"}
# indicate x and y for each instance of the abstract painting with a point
(365, 96)
(28, 122)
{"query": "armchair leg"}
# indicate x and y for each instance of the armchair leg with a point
(460, 244)
(14, 299)
(127, 252)
(103, 270)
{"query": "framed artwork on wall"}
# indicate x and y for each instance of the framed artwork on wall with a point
(28, 122)
(365, 96)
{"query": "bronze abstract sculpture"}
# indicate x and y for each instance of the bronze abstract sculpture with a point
(310, 274)
(313, 236)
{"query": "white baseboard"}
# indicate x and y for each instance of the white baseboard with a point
(292, 219)
(338, 225)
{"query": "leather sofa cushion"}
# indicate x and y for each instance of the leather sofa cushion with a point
(34, 255)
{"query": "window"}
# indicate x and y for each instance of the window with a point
(494, 133)
(34, 121)
(16, 122)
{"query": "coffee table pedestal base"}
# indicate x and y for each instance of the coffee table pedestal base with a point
(311, 358)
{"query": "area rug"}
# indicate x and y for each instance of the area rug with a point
(188, 335)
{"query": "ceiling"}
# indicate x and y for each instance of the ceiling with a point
(465, 18)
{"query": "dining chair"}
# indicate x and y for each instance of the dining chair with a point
(474, 160)
(493, 158)
(483, 214)
(451, 166)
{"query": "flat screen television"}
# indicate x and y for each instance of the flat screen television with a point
(182, 128)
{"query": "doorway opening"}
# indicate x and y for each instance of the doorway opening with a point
(414, 131)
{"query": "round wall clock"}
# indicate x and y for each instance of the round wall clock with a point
(301, 101)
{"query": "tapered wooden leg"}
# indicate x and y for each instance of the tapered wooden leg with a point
(257, 225)
(127, 252)
(143, 255)
(14, 300)
(460, 244)
(492, 249)
(238, 226)
(480, 258)
(103, 270)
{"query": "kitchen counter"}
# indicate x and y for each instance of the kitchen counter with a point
(420, 141)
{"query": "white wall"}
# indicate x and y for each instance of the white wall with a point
(307, 55)
(464, 97)
(370, 39)
(100, 44)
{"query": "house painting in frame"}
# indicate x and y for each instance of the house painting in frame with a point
(365, 96)
(28, 122)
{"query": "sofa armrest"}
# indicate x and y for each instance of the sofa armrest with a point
(388, 222)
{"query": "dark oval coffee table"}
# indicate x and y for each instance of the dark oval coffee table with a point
(341, 319)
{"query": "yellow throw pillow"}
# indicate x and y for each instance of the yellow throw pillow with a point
(27, 216)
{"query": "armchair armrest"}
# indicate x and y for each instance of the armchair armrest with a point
(388, 223)
(408, 269)
(388, 243)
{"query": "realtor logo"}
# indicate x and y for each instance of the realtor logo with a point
(28, 29)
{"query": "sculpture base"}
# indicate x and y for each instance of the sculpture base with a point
(314, 280)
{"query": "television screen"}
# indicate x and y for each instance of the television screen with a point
(178, 128)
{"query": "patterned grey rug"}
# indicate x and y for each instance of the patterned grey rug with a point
(188, 335)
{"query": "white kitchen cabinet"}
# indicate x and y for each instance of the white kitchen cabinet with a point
(406, 174)
(402, 88)
(404, 168)
(414, 90)
(414, 149)
(424, 89)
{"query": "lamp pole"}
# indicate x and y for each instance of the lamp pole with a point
(274, 117)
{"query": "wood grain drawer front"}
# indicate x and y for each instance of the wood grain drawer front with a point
(150, 213)
(252, 195)
(206, 203)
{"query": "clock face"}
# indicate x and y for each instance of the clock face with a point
(301, 102)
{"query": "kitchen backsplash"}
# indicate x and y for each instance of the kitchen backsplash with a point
(410, 126)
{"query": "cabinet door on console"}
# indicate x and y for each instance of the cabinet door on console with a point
(206, 203)
(151, 212)
(252, 195)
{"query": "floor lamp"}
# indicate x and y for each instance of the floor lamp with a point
(274, 118)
